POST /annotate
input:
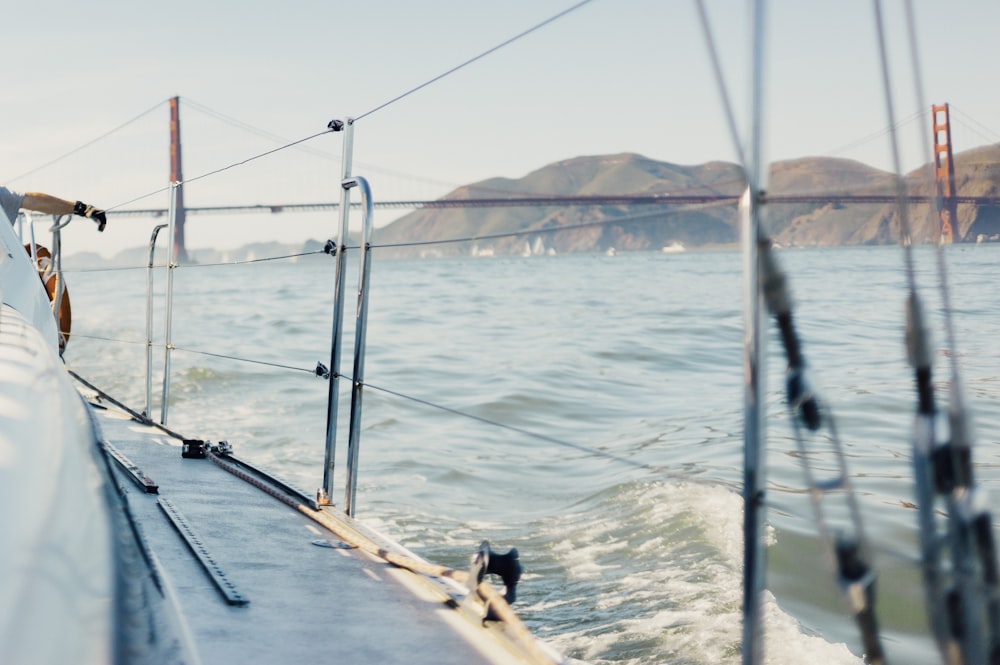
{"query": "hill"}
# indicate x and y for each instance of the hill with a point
(583, 228)
(590, 229)
(567, 229)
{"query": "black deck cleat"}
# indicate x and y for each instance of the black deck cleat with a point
(506, 566)
(193, 449)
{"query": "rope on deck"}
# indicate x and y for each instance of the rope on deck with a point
(490, 596)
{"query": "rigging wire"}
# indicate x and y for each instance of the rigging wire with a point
(534, 435)
(848, 554)
(473, 59)
(727, 105)
(905, 235)
(943, 279)
(973, 602)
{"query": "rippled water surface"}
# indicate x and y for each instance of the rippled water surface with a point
(618, 384)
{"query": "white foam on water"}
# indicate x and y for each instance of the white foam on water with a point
(661, 569)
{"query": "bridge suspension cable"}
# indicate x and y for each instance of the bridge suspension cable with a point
(88, 143)
(559, 201)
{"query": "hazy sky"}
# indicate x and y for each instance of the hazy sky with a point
(611, 76)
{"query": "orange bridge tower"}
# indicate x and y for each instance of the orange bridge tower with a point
(944, 173)
(176, 175)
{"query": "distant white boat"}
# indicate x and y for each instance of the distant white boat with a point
(611, 251)
(483, 252)
(673, 248)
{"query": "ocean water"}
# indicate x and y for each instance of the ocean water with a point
(584, 409)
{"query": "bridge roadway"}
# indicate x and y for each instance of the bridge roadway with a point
(551, 201)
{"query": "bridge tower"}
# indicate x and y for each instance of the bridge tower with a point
(944, 173)
(176, 175)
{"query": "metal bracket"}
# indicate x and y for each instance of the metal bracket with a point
(228, 590)
(135, 474)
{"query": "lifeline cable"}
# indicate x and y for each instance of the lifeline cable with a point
(244, 262)
(482, 55)
(197, 265)
(534, 435)
(110, 339)
(245, 360)
(263, 133)
(221, 169)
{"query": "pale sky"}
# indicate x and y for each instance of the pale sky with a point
(612, 76)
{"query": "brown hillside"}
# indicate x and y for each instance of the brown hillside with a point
(507, 230)
(977, 173)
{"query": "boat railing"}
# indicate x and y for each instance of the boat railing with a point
(160, 296)
(49, 266)
(360, 337)
(149, 320)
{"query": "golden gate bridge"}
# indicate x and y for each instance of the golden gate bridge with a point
(946, 197)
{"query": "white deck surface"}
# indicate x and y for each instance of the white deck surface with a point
(306, 603)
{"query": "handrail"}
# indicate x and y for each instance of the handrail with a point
(59, 222)
(149, 321)
(168, 315)
(360, 333)
(333, 397)
(54, 267)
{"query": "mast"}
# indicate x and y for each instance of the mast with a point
(176, 175)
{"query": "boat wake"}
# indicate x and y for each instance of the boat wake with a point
(686, 610)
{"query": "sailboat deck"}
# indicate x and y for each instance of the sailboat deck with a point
(280, 595)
